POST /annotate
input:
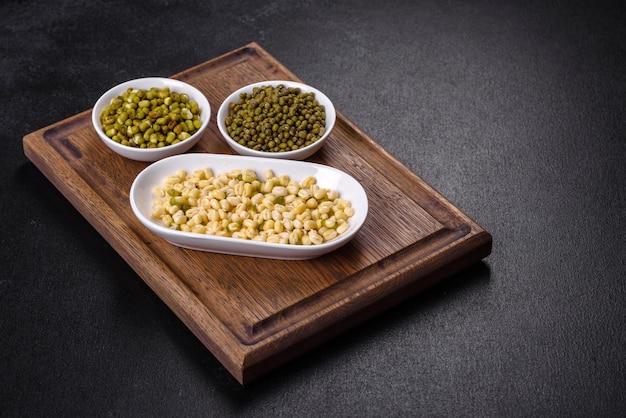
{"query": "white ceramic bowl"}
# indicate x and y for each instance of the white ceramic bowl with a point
(152, 154)
(299, 154)
(141, 199)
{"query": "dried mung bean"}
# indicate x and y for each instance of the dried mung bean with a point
(276, 119)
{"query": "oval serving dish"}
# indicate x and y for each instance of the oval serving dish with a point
(141, 199)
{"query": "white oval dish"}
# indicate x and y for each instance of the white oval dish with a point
(141, 199)
(299, 154)
(151, 154)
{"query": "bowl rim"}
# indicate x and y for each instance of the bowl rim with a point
(329, 108)
(105, 97)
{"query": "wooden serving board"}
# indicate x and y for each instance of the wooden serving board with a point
(255, 314)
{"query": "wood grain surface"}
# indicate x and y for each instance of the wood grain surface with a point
(256, 314)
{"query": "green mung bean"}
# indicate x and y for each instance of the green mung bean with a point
(276, 119)
(151, 118)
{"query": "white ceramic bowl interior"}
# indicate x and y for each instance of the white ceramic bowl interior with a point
(141, 199)
(299, 154)
(151, 154)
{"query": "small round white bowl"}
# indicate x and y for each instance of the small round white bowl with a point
(299, 154)
(151, 154)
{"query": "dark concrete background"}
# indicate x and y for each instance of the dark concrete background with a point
(515, 111)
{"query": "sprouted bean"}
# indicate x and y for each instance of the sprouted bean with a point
(240, 204)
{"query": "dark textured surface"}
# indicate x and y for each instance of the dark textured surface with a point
(515, 112)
